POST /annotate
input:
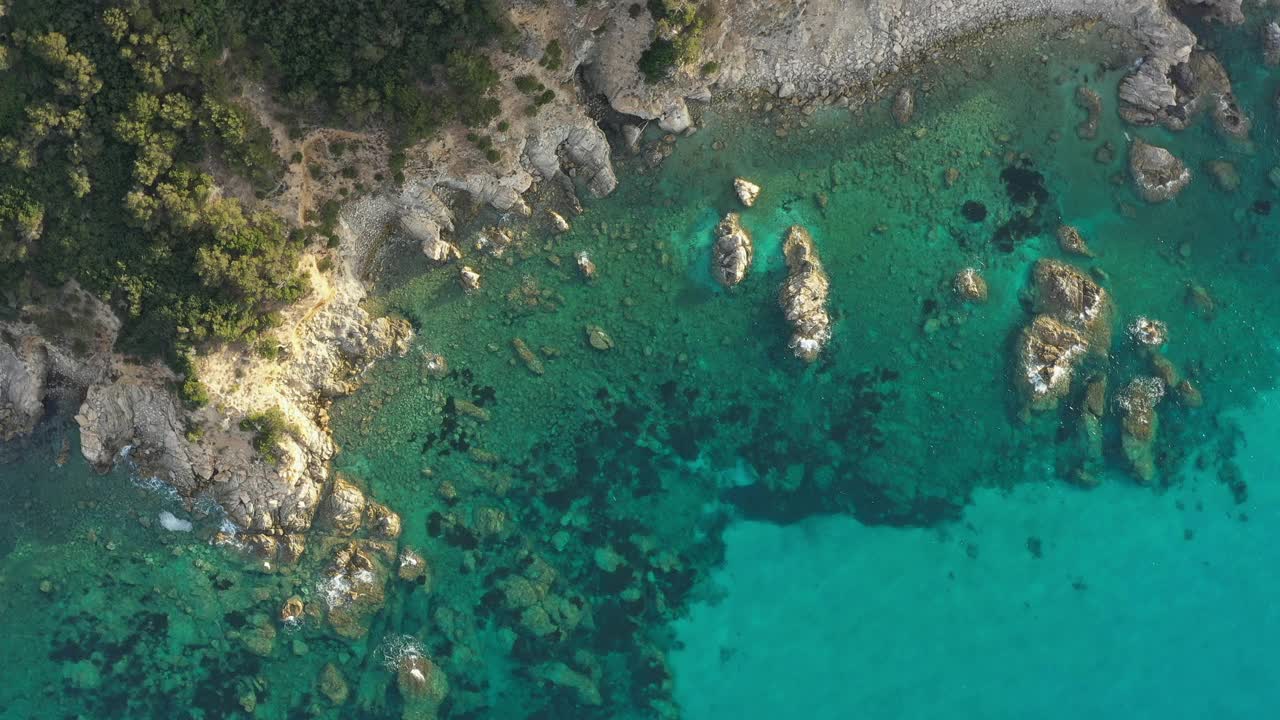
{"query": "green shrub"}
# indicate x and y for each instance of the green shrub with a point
(269, 429)
(527, 84)
(553, 56)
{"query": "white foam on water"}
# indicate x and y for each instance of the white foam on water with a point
(172, 523)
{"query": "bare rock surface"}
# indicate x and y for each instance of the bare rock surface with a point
(803, 296)
(1157, 174)
(731, 255)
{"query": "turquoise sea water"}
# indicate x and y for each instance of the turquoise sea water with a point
(694, 524)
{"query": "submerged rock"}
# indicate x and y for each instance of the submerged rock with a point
(1088, 99)
(1271, 44)
(1224, 175)
(598, 338)
(731, 255)
(747, 191)
(1157, 174)
(1227, 12)
(804, 295)
(1095, 407)
(1138, 401)
(970, 286)
(1071, 242)
(333, 685)
(904, 106)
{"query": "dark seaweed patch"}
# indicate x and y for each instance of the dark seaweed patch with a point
(974, 211)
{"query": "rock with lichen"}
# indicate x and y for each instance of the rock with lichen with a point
(804, 295)
(732, 252)
(558, 223)
(1157, 174)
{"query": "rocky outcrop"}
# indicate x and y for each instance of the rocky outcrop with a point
(343, 511)
(1157, 174)
(970, 286)
(816, 49)
(578, 150)
(732, 252)
(803, 296)
(1073, 321)
(60, 342)
(1071, 297)
(1070, 241)
(424, 216)
(1271, 44)
(1174, 95)
(23, 373)
(1048, 352)
(746, 191)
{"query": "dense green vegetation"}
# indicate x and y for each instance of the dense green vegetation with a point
(677, 39)
(115, 118)
(269, 429)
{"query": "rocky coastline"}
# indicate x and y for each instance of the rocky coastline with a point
(822, 52)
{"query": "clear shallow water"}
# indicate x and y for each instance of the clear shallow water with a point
(652, 478)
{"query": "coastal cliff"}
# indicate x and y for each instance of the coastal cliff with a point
(822, 52)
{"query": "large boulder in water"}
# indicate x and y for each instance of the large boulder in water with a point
(804, 295)
(1157, 174)
(731, 255)
(1074, 299)
(1048, 353)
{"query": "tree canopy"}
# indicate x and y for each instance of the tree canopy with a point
(115, 116)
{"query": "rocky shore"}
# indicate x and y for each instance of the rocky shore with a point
(820, 51)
